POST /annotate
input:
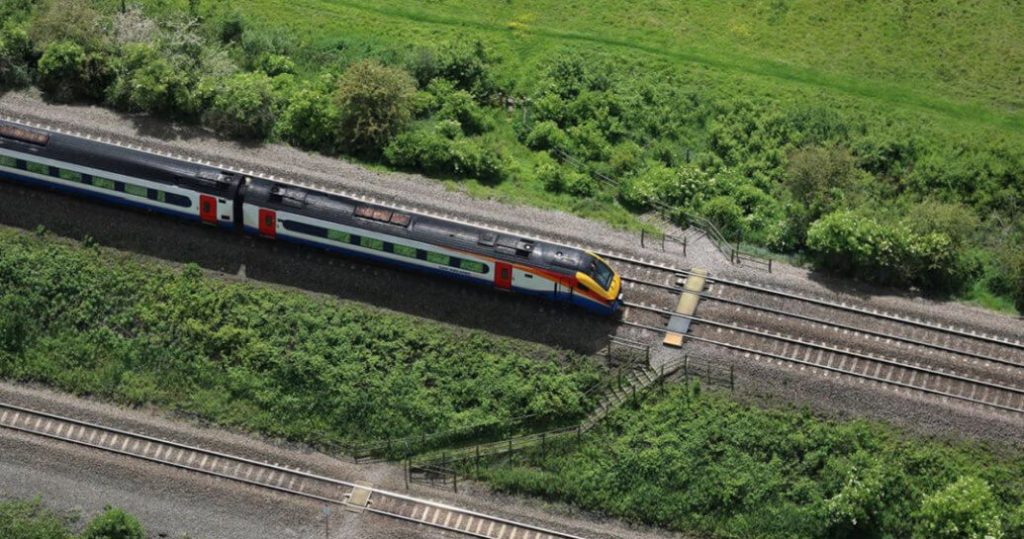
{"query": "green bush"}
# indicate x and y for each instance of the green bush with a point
(459, 106)
(965, 509)
(147, 81)
(241, 106)
(548, 136)
(15, 56)
(466, 64)
(726, 214)
(68, 73)
(114, 523)
(375, 103)
(76, 21)
(889, 253)
(310, 119)
(275, 64)
(441, 150)
(560, 179)
(30, 520)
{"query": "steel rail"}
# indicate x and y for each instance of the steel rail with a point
(806, 318)
(832, 349)
(379, 501)
(836, 369)
(826, 303)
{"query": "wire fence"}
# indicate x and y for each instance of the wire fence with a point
(447, 468)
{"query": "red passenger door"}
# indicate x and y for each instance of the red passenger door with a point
(502, 276)
(208, 209)
(268, 223)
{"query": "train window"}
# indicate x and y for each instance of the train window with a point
(177, 200)
(24, 135)
(103, 183)
(400, 219)
(339, 236)
(136, 190)
(473, 265)
(8, 161)
(371, 243)
(70, 175)
(404, 250)
(365, 212)
(438, 258)
(38, 168)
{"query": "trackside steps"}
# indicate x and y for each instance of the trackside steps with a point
(679, 325)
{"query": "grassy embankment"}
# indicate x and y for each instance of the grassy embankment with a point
(689, 461)
(91, 321)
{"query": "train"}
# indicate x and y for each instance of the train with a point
(282, 211)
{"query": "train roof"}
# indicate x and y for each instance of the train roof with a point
(419, 227)
(206, 177)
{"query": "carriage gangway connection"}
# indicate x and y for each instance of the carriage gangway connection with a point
(679, 323)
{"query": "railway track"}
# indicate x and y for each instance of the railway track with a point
(269, 476)
(933, 381)
(940, 360)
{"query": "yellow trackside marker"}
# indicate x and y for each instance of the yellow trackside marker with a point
(679, 325)
(359, 498)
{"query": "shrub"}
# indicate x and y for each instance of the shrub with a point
(432, 150)
(965, 508)
(275, 64)
(889, 253)
(548, 136)
(147, 81)
(15, 56)
(726, 214)
(67, 72)
(375, 103)
(458, 105)
(67, 20)
(421, 149)
(114, 523)
(559, 179)
(466, 65)
(30, 520)
(310, 119)
(241, 106)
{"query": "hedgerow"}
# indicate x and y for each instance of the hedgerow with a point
(89, 321)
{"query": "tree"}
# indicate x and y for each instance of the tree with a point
(375, 103)
(67, 72)
(242, 106)
(147, 81)
(114, 523)
(963, 509)
(67, 20)
(310, 120)
(15, 52)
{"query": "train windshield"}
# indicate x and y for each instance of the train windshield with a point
(601, 273)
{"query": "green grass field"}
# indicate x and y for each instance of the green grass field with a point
(952, 58)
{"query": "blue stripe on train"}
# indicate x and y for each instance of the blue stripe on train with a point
(575, 299)
(86, 193)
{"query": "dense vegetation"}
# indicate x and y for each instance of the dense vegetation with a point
(30, 520)
(93, 322)
(880, 163)
(688, 460)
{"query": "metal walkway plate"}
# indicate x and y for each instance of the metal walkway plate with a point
(679, 325)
